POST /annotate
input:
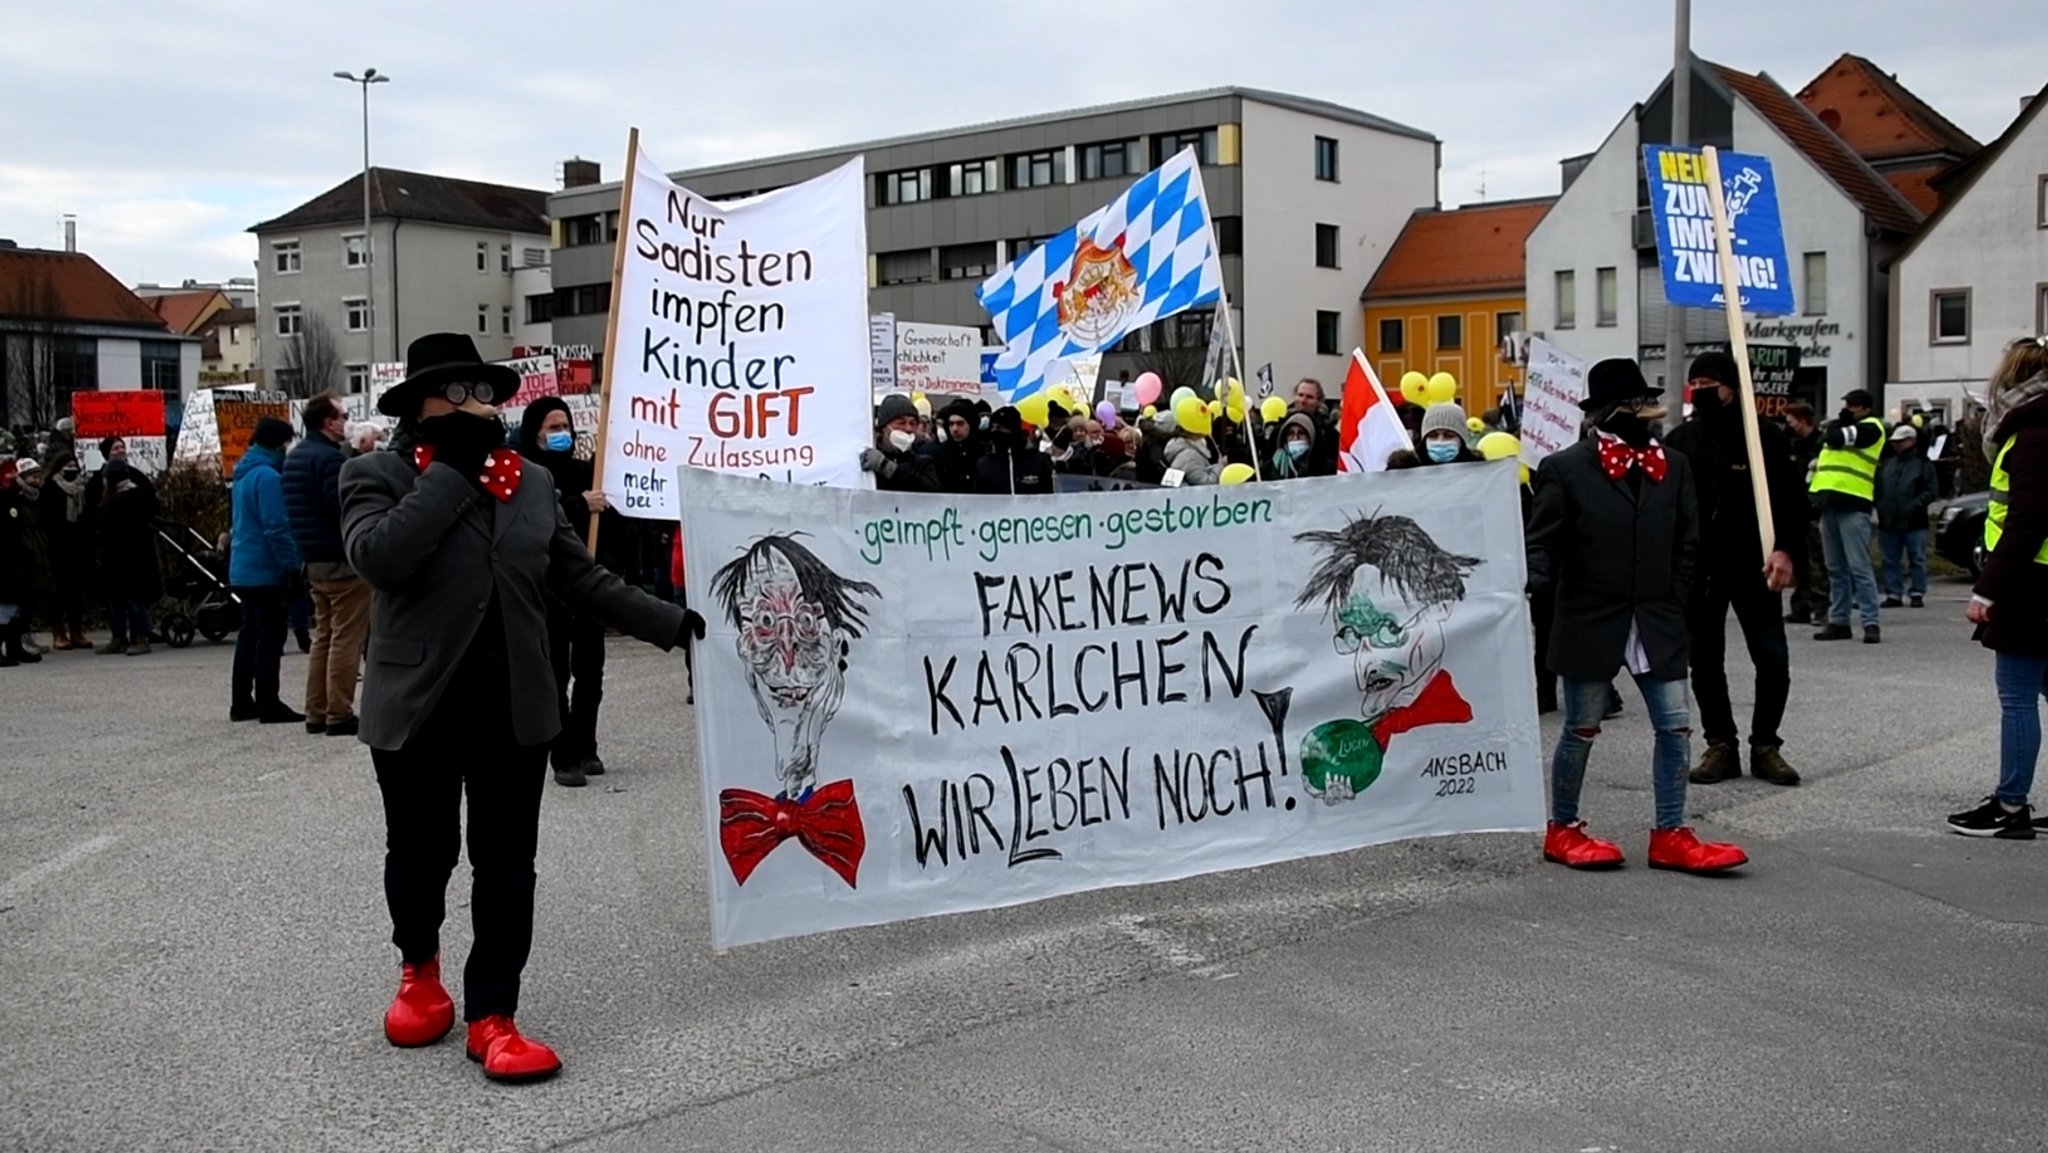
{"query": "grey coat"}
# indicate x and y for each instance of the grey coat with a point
(433, 549)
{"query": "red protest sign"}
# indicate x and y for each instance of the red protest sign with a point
(135, 413)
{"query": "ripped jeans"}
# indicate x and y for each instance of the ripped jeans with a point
(1585, 702)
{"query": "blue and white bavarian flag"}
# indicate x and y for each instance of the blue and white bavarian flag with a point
(1149, 254)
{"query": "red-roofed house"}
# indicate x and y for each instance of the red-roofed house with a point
(1448, 295)
(66, 325)
(1596, 290)
(1909, 143)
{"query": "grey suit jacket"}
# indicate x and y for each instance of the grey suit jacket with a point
(433, 548)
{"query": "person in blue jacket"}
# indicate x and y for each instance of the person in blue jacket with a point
(264, 570)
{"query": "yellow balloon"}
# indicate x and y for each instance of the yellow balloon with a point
(1035, 409)
(1443, 388)
(1192, 416)
(1414, 388)
(1499, 446)
(1237, 473)
(922, 404)
(1235, 410)
(1919, 421)
(1215, 409)
(1273, 409)
(1475, 424)
(1233, 389)
(916, 395)
(1149, 411)
(1525, 474)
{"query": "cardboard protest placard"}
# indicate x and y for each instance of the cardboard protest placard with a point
(1684, 219)
(235, 416)
(917, 704)
(138, 412)
(741, 338)
(1772, 369)
(1555, 384)
(536, 379)
(937, 358)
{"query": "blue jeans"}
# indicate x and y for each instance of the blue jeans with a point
(1845, 539)
(2022, 682)
(1904, 550)
(1585, 702)
(128, 619)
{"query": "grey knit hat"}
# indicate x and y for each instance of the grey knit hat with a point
(1446, 417)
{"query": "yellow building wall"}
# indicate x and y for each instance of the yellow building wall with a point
(1476, 362)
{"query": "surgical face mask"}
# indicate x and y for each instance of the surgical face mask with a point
(1297, 448)
(1443, 451)
(562, 441)
(901, 440)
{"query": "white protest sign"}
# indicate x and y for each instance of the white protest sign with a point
(199, 432)
(741, 338)
(918, 704)
(937, 358)
(536, 379)
(144, 452)
(882, 352)
(1555, 384)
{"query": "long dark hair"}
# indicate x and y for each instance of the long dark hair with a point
(821, 586)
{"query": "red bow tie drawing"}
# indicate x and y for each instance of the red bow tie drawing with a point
(500, 477)
(1617, 458)
(826, 823)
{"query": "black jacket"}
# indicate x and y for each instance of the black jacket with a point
(914, 471)
(1613, 552)
(1713, 442)
(1025, 472)
(618, 539)
(124, 526)
(312, 498)
(1906, 485)
(956, 461)
(2016, 586)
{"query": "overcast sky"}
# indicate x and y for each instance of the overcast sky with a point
(169, 129)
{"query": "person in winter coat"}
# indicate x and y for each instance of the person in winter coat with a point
(960, 446)
(1906, 485)
(62, 507)
(340, 599)
(19, 565)
(1614, 531)
(2009, 604)
(122, 507)
(1443, 436)
(1013, 466)
(1295, 453)
(547, 437)
(266, 572)
(1194, 457)
(1732, 575)
(895, 457)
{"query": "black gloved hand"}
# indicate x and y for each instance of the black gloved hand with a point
(693, 628)
(462, 440)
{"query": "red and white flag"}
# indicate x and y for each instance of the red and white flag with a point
(1369, 429)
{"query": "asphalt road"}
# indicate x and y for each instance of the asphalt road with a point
(195, 956)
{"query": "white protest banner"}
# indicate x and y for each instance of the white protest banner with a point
(536, 379)
(1554, 386)
(944, 703)
(937, 358)
(739, 337)
(144, 452)
(882, 353)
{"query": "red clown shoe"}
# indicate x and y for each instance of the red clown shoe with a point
(1679, 849)
(421, 1014)
(1571, 846)
(506, 1056)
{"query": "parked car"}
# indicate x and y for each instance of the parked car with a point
(1959, 531)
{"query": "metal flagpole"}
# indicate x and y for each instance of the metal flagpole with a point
(1681, 129)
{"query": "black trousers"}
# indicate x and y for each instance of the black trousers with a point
(465, 747)
(1758, 611)
(1542, 608)
(259, 647)
(576, 647)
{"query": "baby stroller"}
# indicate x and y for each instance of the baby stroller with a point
(196, 594)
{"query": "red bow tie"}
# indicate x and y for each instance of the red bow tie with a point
(826, 823)
(501, 470)
(1617, 458)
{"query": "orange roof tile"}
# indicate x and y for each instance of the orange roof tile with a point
(38, 284)
(1917, 185)
(1877, 116)
(1881, 203)
(185, 311)
(1477, 248)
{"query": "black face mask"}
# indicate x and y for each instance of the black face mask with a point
(1631, 428)
(463, 430)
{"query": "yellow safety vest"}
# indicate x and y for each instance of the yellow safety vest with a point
(1850, 471)
(1994, 516)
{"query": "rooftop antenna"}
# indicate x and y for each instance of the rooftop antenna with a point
(1482, 186)
(71, 232)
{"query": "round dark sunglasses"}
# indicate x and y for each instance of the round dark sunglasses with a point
(455, 392)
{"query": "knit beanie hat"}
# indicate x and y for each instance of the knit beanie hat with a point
(272, 433)
(1445, 417)
(1716, 366)
(894, 406)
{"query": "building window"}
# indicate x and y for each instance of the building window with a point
(483, 319)
(1450, 332)
(1607, 294)
(973, 178)
(1230, 236)
(358, 378)
(2041, 310)
(1567, 299)
(355, 249)
(967, 261)
(1951, 316)
(2041, 203)
(1166, 145)
(284, 256)
(1326, 158)
(358, 313)
(579, 231)
(1326, 334)
(160, 365)
(583, 300)
(1326, 246)
(1021, 248)
(1111, 160)
(288, 320)
(907, 187)
(74, 365)
(1505, 325)
(1038, 169)
(910, 266)
(1391, 330)
(505, 320)
(504, 258)
(540, 308)
(1816, 287)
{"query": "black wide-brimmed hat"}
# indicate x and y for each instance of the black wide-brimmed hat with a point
(434, 360)
(1614, 381)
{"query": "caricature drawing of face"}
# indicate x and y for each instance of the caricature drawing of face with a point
(1392, 660)
(793, 659)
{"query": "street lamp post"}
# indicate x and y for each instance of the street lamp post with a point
(370, 76)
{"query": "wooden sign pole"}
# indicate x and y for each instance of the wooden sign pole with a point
(611, 324)
(1738, 347)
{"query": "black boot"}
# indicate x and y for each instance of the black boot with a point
(16, 652)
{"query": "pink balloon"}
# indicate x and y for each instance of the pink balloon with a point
(1106, 413)
(1149, 387)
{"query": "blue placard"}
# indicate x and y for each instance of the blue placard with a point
(988, 366)
(1685, 230)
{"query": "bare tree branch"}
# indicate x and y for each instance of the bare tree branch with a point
(311, 362)
(34, 398)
